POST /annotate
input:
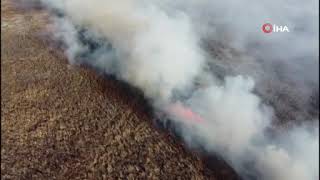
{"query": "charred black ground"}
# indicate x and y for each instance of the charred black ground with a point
(60, 121)
(281, 96)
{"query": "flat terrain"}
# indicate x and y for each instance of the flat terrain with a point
(65, 122)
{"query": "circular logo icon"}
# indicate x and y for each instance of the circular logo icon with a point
(267, 28)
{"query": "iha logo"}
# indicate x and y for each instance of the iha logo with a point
(268, 28)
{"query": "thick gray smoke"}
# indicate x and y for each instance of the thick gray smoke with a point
(208, 55)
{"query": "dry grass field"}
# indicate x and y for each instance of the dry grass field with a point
(65, 122)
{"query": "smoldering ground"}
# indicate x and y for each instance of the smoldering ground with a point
(213, 58)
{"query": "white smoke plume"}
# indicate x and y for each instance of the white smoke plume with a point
(158, 47)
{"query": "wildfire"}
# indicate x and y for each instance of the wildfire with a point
(185, 113)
